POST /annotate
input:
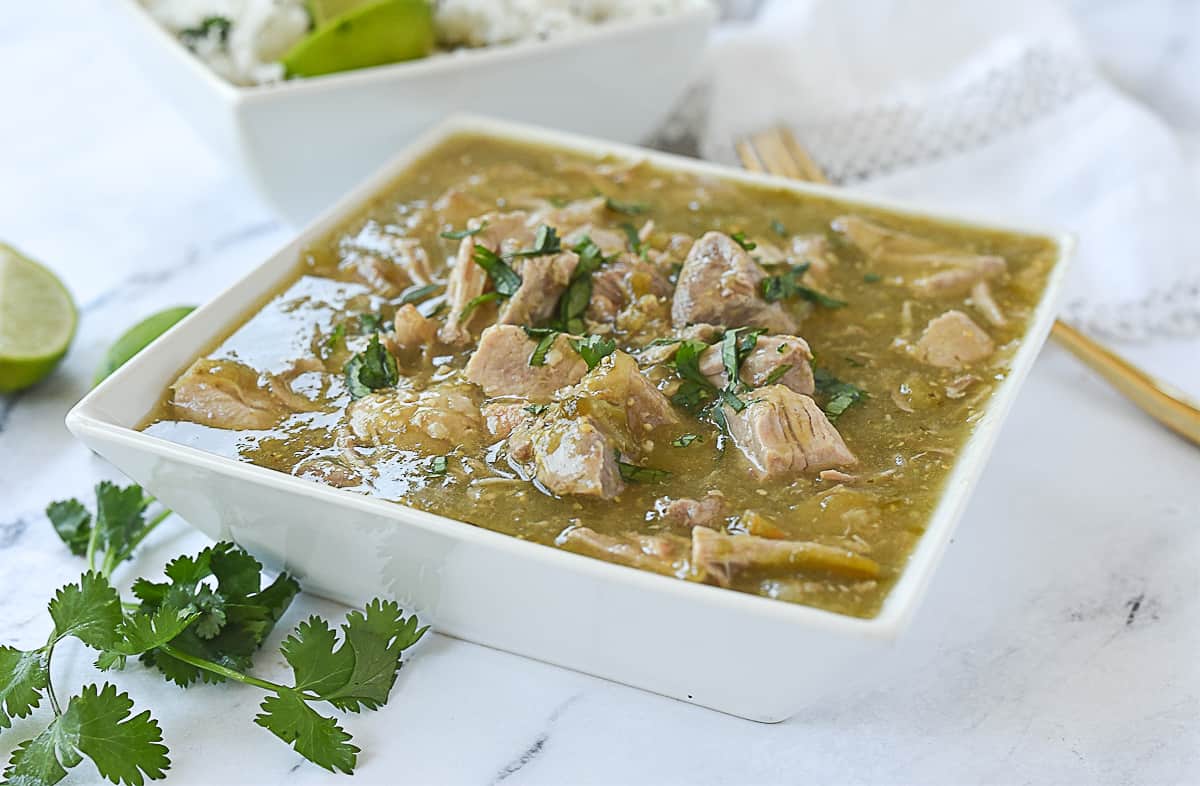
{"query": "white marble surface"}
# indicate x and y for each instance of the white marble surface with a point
(1058, 644)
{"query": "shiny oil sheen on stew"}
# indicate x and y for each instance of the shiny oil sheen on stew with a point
(541, 343)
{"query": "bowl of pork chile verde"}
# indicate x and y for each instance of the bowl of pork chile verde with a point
(307, 97)
(592, 404)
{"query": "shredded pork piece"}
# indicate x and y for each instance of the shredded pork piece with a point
(720, 557)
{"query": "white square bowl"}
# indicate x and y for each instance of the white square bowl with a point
(747, 655)
(303, 143)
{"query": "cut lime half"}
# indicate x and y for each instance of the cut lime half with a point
(137, 338)
(37, 320)
(371, 34)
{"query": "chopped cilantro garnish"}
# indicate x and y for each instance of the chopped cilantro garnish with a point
(219, 25)
(820, 298)
(593, 349)
(778, 228)
(334, 341)
(787, 286)
(740, 239)
(683, 440)
(438, 465)
(839, 396)
(459, 234)
(626, 208)
(417, 294)
(546, 241)
(535, 409)
(373, 323)
(636, 474)
(871, 278)
(777, 374)
(696, 391)
(504, 278)
(545, 339)
(573, 303)
(476, 302)
(633, 239)
(730, 357)
(372, 369)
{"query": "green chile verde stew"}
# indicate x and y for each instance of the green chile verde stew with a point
(712, 381)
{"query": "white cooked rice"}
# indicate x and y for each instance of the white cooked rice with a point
(261, 31)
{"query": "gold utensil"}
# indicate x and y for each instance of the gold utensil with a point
(777, 152)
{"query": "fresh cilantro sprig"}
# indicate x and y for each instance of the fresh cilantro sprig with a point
(204, 623)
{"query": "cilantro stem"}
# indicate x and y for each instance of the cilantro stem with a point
(49, 682)
(146, 530)
(226, 672)
(91, 547)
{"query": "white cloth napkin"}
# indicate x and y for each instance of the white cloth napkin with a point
(990, 109)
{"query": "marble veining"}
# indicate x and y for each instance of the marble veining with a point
(1057, 643)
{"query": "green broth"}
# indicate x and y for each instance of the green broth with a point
(904, 457)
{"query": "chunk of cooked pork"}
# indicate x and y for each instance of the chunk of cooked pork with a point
(413, 333)
(574, 444)
(663, 350)
(686, 512)
(769, 354)
(572, 216)
(502, 233)
(720, 284)
(665, 554)
(467, 282)
(231, 395)
(960, 280)
(622, 282)
(385, 261)
(502, 417)
(543, 280)
(785, 434)
(329, 471)
(501, 367)
(432, 420)
(953, 340)
(719, 557)
(981, 298)
(891, 246)
(570, 455)
(617, 381)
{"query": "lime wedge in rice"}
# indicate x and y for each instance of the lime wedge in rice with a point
(37, 321)
(368, 34)
(323, 11)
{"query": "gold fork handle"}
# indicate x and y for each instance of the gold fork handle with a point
(1156, 398)
(779, 153)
